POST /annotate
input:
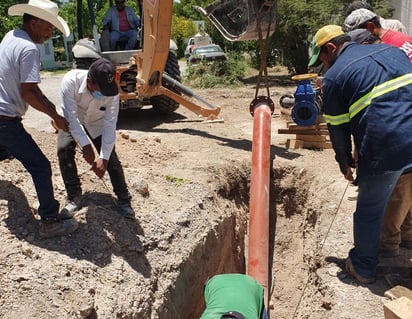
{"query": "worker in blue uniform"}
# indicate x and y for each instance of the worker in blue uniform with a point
(367, 94)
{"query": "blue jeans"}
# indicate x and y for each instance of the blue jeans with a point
(264, 314)
(374, 193)
(19, 143)
(131, 36)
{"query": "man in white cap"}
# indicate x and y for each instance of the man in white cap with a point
(19, 79)
(366, 19)
(392, 24)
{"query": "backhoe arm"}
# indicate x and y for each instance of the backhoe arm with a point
(151, 60)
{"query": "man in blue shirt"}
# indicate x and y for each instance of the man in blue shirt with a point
(122, 22)
(367, 93)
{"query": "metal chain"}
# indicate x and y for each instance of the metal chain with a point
(263, 45)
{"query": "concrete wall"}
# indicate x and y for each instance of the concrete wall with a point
(403, 12)
(47, 55)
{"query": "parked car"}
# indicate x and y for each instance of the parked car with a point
(197, 41)
(211, 52)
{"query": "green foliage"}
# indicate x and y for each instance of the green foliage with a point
(298, 20)
(182, 29)
(185, 9)
(7, 22)
(100, 7)
(296, 23)
(217, 74)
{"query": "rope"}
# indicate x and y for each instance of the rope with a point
(319, 249)
(263, 46)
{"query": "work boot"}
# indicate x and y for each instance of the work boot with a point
(4, 154)
(351, 271)
(388, 253)
(125, 209)
(69, 209)
(406, 244)
(58, 227)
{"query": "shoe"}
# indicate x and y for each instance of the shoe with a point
(388, 253)
(5, 155)
(351, 271)
(69, 210)
(126, 210)
(58, 227)
(406, 244)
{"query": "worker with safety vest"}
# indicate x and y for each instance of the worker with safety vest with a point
(367, 93)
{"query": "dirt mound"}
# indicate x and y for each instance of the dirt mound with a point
(190, 186)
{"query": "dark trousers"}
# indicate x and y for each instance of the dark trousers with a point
(66, 149)
(20, 144)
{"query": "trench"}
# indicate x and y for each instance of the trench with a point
(224, 248)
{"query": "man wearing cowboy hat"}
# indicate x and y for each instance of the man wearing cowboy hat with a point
(19, 79)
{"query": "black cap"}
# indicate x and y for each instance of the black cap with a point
(103, 72)
(359, 35)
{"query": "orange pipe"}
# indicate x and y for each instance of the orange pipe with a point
(258, 246)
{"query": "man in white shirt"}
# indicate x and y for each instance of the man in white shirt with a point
(19, 88)
(90, 103)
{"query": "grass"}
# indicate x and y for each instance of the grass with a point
(217, 74)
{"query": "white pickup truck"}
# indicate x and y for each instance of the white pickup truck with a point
(196, 41)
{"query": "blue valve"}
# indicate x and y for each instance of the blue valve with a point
(305, 110)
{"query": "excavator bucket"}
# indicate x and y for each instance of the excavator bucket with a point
(238, 20)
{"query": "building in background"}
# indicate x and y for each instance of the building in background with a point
(403, 12)
(47, 55)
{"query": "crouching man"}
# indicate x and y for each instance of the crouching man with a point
(236, 296)
(90, 103)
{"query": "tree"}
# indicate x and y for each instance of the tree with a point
(182, 29)
(7, 22)
(298, 20)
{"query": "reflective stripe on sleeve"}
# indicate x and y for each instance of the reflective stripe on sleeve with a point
(337, 119)
(366, 100)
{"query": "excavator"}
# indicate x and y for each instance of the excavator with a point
(151, 75)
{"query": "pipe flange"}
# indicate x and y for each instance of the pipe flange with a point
(261, 99)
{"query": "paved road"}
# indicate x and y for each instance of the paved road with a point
(50, 85)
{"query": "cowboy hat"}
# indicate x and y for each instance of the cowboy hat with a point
(43, 9)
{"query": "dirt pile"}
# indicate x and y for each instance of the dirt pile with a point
(190, 186)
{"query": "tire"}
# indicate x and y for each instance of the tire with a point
(162, 103)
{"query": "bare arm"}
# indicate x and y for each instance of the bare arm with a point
(32, 94)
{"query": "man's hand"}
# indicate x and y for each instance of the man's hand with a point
(349, 174)
(88, 154)
(99, 167)
(60, 123)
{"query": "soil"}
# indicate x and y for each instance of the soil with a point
(190, 180)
